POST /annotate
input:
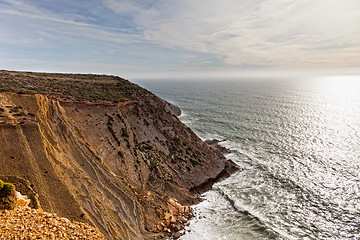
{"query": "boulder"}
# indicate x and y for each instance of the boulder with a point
(22, 200)
(177, 235)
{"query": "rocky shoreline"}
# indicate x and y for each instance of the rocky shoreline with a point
(174, 220)
(177, 217)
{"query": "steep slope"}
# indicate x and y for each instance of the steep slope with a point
(115, 164)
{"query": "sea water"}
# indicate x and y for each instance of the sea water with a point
(297, 143)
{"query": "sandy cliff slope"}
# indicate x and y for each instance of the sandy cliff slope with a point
(112, 164)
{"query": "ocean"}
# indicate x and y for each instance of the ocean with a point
(297, 142)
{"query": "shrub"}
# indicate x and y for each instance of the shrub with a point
(5, 188)
(177, 140)
(118, 115)
(113, 134)
(194, 162)
(110, 128)
(138, 147)
(148, 147)
(125, 133)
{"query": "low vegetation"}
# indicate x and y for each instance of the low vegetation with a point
(5, 187)
(124, 132)
(110, 128)
(77, 87)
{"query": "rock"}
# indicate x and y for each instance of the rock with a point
(179, 207)
(177, 235)
(173, 219)
(167, 216)
(187, 209)
(167, 222)
(160, 228)
(214, 143)
(173, 109)
(182, 219)
(172, 201)
(155, 230)
(177, 227)
(22, 200)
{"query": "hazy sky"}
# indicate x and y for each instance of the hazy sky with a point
(179, 38)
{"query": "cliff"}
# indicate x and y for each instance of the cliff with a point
(101, 150)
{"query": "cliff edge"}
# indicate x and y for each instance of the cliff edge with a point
(101, 150)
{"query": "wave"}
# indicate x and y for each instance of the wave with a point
(261, 225)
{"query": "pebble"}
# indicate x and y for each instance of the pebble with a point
(26, 223)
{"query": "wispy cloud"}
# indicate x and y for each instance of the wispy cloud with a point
(183, 35)
(56, 25)
(287, 33)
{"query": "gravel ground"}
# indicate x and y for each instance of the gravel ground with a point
(27, 223)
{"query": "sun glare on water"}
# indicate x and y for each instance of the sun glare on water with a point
(341, 86)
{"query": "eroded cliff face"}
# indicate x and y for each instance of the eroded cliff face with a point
(114, 165)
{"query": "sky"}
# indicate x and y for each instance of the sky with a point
(181, 38)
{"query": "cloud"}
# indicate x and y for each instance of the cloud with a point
(125, 6)
(29, 23)
(286, 33)
(181, 35)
